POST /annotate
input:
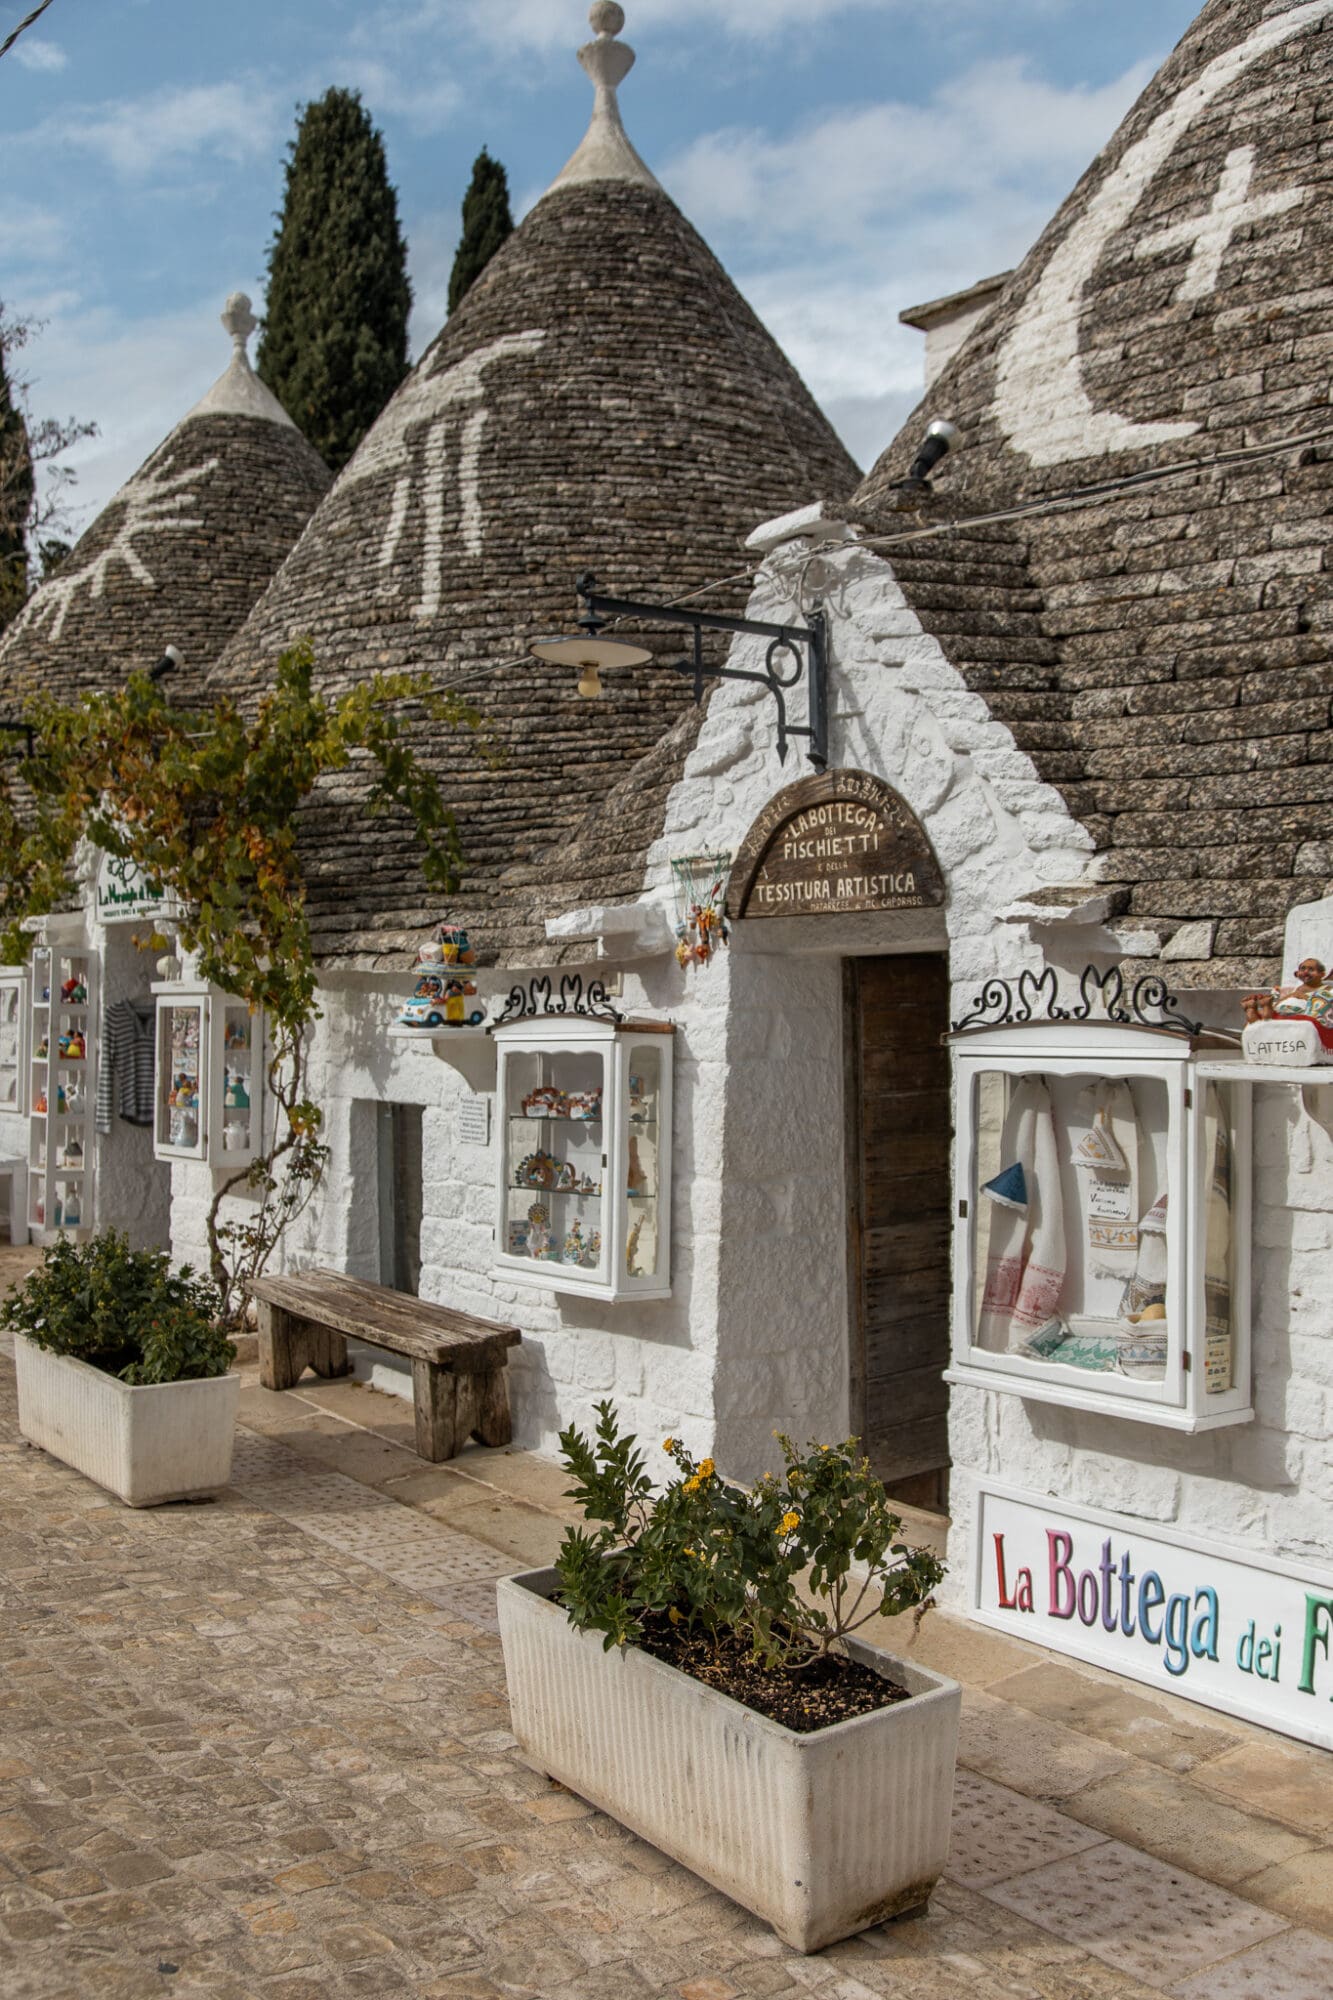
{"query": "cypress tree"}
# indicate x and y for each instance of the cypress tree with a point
(486, 223)
(16, 487)
(334, 346)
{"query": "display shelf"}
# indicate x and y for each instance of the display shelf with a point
(210, 1077)
(1219, 1068)
(1102, 1257)
(63, 1003)
(580, 1194)
(624, 1070)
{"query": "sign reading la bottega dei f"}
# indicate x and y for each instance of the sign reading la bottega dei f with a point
(1225, 1626)
(833, 845)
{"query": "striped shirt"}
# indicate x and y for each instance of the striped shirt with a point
(126, 1065)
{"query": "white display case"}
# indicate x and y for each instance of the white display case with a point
(1102, 1246)
(15, 1023)
(208, 1092)
(61, 1066)
(585, 1156)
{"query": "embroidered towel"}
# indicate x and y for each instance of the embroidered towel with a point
(1110, 1189)
(1025, 1263)
(1147, 1287)
(1217, 1341)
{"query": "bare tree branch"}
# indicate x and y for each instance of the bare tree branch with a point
(10, 40)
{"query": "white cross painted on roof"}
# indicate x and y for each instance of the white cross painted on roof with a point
(1211, 233)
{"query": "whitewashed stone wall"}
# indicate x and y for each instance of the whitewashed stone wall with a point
(754, 1336)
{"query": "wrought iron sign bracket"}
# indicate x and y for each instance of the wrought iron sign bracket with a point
(1036, 997)
(27, 732)
(794, 642)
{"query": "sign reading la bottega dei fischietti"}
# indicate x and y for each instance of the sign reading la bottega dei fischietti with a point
(833, 845)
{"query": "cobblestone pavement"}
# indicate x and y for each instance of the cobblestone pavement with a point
(259, 1747)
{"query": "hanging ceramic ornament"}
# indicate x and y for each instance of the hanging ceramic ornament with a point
(1009, 1187)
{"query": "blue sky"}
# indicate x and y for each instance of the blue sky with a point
(845, 158)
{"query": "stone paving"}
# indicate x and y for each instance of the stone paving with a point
(259, 1748)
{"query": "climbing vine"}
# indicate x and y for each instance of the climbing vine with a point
(204, 801)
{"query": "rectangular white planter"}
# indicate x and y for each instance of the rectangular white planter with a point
(821, 1835)
(164, 1442)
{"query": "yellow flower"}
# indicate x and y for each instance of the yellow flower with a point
(706, 1468)
(693, 1485)
(790, 1521)
(674, 1615)
(689, 1552)
(667, 1443)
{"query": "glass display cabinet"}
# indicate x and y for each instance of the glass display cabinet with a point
(61, 1064)
(1101, 1246)
(15, 1022)
(209, 1077)
(585, 1156)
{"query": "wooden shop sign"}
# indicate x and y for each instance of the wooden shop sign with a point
(831, 845)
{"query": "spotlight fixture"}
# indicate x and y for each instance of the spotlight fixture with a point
(939, 437)
(168, 664)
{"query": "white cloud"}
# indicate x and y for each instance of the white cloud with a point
(830, 231)
(426, 99)
(552, 24)
(844, 179)
(34, 53)
(29, 234)
(137, 137)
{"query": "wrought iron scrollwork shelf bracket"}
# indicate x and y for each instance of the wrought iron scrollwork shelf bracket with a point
(540, 1000)
(1149, 1003)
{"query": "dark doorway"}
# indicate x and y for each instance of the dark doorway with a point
(898, 1183)
(400, 1165)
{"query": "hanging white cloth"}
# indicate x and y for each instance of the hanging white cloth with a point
(1109, 1150)
(1025, 1262)
(1218, 1364)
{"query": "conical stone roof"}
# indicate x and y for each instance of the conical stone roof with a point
(182, 552)
(604, 399)
(1161, 649)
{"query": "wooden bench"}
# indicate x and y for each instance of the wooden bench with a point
(460, 1387)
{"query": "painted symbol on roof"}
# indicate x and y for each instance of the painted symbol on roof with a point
(1040, 399)
(151, 504)
(425, 437)
(1209, 235)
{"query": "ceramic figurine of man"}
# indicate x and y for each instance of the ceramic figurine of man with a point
(1310, 994)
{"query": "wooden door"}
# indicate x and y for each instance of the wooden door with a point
(898, 1182)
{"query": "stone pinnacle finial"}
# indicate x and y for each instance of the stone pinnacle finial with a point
(238, 391)
(606, 154)
(240, 323)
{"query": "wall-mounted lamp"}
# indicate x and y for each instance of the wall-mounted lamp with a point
(592, 656)
(939, 437)
(590, 653)
(168, 664)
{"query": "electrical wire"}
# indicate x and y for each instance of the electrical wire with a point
(10, 40)
(1057, 503)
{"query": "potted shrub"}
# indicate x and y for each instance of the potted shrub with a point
(696, 1665)
(122, 1369)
